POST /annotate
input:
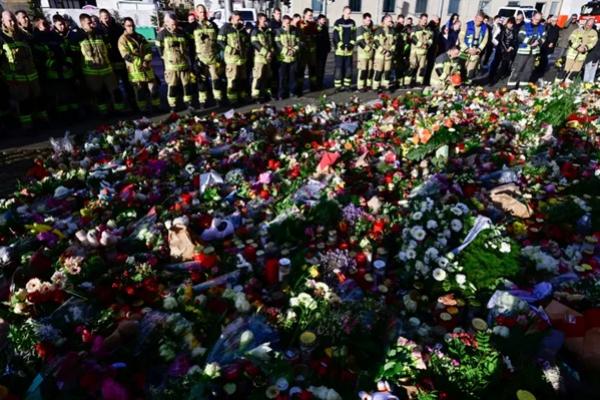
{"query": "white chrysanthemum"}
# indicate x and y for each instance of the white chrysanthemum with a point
(439, 274)
(456, 225)
(417, 216)
(443, 262)
(417, 232)
(505, 247)
(461, 279)
(432, 224)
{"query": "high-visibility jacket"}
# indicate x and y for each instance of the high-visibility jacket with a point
(385, 41)
(205, 39)
(136, 51)
(344, 37)
(287, 44)
(529, 34)
(173, 48)
(264, 45)
(234, 40)
(308, 33)
(443, 69)
(93, 46)
(474, 36)
(581, 37)
(421, 39)
(365, 40)
(16, 56)
(53, 56)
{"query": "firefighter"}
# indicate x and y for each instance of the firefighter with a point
(288, 45)
(24, 22)
(137, 53)
(446, 67)
(207, 58)
(96, 67)
(307, 30)
(473, 41)
(581, 41)
(55, 68)
(264, 47)
(113, 31)
(172, 45)
(421, 39)
(365, 53)
(18, 69)
(344, 40)
(385, 41)
(323, 48)
(234, 40)
(531, 39)
(402, 55)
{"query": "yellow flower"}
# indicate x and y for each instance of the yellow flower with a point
(313, 271)
(519, 228)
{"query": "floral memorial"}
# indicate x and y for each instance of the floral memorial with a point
(434, 245)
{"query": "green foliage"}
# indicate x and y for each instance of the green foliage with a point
(399, 363)
(484, 265)
(467, 371)
(555, 111)
(438, 139)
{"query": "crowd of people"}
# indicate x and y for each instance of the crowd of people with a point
(63, 68)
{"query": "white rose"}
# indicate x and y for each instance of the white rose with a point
(439, 274)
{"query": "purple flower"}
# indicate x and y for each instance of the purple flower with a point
(48, 238)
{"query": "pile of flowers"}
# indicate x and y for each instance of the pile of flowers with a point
(429, 246)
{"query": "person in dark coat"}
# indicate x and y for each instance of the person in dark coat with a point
(552, 36)
(432, 52)
(446, 40)
(323, 48)
(508, 41)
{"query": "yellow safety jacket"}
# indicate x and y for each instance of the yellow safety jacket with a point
(94, 54)
(581, 37)
(16, 57)
(136, 50)
(205, 38)
(365, 40)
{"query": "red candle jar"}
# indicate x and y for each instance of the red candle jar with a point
(272, 271)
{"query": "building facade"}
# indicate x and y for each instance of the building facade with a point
(443, 8)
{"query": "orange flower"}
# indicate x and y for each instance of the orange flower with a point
(425, 135)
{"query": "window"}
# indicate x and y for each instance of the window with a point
(317, 6)
(453, 6)
(70, 3)
(355, 5)
(421, 7)
(553, 8)
(389, 6)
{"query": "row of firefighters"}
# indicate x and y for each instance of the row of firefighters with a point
(50, 67)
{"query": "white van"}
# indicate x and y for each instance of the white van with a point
(248, 15)
(508, 12)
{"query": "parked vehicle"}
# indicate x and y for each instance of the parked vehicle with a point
(508, 12)
(591, 9)
(143, 12)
